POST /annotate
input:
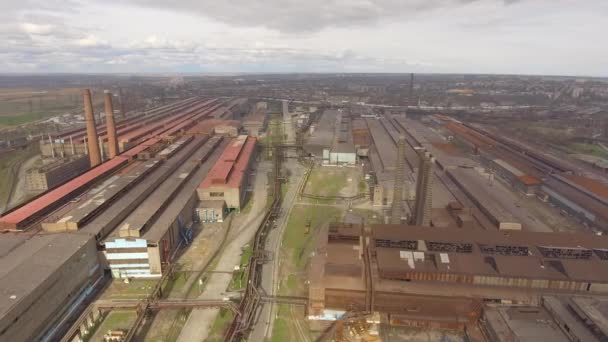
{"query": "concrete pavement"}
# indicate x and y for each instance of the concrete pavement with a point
(200, 320)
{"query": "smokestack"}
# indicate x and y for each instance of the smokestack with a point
(111, 127)
(89, 118)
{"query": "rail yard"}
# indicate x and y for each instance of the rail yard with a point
(241, 218)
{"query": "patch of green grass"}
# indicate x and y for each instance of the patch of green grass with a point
(174, 287)
(326, 182)
(248, 206)
(292, 282)
(220, 325)
(590, 149)
(295, 239)
(238, 281)
(119, 319)
(135, 289)
(15, 120)
(115, 320)
(284, 328)
(280, 329)
(362, 186)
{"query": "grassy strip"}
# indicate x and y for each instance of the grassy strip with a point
(281, 330)
(296, 241)
(115, 320)
(239, 279)
(135, 289)
(591, 149)
(220, 325)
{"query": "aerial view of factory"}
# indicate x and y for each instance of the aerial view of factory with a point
(307, 208)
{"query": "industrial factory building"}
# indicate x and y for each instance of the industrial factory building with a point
(322, 136)
(228, 179)
(361, 137)
(254, 124)
(419, 275)
(41, 277)
(211, 211)
(148, 237)
(55, 173)
(342, 151)
(129, 213)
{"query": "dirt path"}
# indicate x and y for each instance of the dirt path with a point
(19, 192)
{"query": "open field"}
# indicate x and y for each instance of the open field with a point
(24, 105)
(9, 168)
(326, 182)
(19, 106)
(297, 245)
(590, 149)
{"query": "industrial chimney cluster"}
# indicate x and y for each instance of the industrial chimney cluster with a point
(94, 149)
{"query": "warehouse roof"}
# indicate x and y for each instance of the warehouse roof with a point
(51, 197)
(492, 253)
(26, 261)
(404, 232)
(232, 164)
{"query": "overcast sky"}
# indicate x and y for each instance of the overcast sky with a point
(559, 37)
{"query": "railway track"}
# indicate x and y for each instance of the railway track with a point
(251, 299)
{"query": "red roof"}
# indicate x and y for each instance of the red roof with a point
(232, 164)
(56, 195)
(239, 169)
(181, 121)
(529, 180)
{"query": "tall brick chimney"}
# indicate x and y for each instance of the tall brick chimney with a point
(89, 118)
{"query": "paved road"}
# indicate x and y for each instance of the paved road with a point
(200, 320)
(263, 326)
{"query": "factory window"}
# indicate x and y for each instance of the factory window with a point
(216, 194)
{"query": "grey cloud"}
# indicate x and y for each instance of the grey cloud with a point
(138, 57)
(293, 16)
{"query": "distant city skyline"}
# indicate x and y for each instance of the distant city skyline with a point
(534, 37)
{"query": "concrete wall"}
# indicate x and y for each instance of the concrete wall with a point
(161, 252)
(338, 158)
(42, 180)
(232, 196)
